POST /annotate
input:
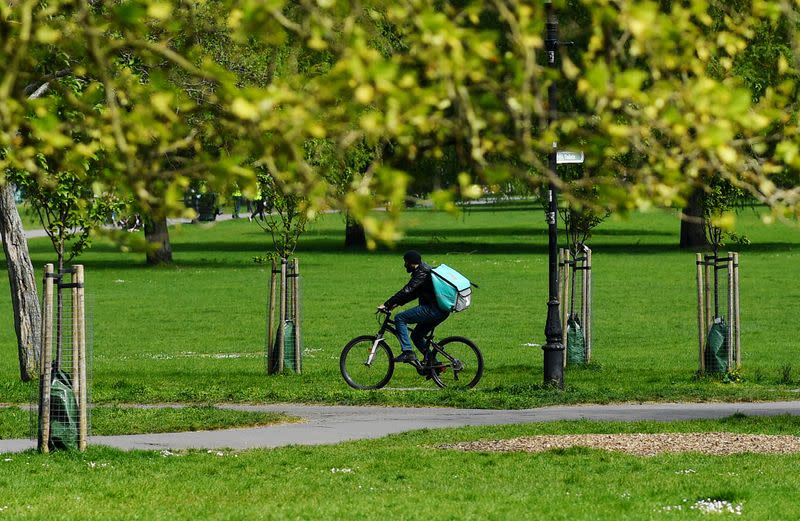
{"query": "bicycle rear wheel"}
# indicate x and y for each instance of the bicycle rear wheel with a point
(355, 370)
(461, 364)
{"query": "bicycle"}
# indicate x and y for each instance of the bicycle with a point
(367, 361)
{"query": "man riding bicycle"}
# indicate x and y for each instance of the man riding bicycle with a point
(426, 315)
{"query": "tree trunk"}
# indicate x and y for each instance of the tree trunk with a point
(156, 233)
(354, 236)
(21, 277)
(693, 223)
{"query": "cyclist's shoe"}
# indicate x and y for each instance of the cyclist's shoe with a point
(406, 357)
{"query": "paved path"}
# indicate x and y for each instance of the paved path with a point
(333, 424)
(34, 234)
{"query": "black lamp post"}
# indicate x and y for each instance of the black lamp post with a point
(553, 349)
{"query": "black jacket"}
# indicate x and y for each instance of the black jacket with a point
(420, 286)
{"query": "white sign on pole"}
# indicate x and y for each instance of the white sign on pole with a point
(566, 157)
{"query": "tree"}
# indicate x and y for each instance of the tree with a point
(693, 221)
(24, 300)
(67, 210)
(694, 126)
(758, 67)
(43, 44)
(581, 216)
(146, 108)
(643, 81)
(61, 191)
(288, 218)
(21, 278)
(465, 72)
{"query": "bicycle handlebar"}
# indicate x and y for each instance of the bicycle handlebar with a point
(385, 314)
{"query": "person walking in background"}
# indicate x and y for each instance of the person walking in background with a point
(260, 205)
(237, 200)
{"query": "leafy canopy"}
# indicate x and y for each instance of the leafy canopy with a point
(658, 105)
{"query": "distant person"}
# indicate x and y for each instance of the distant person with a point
(237, 200)
(261, 205)
(426, 315)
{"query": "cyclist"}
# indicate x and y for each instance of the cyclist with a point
(426, 315)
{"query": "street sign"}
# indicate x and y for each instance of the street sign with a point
(567, 157)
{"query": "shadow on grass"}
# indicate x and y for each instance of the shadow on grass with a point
(516, 231)
(475, 240)
(227, 254)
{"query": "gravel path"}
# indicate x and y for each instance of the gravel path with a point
(713, 443)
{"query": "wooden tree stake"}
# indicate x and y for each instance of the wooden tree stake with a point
(707, 278)
(79, 330)
(298, 358)
(271, 321)
(76, 383)
(562, 288)
(282, 320)
(588, 324)
(701, 320)
(568, 269)
(736, 310)
(45, 373)
(731, 317)
(585, 298)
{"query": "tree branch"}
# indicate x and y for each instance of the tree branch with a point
(43, 82)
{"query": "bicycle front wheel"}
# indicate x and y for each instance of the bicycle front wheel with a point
(460, 365)
(359, 371)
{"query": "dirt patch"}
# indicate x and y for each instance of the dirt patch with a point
(714, 443)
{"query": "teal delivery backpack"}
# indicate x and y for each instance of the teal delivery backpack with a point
(453, 291)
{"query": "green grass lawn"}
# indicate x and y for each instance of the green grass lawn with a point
(408, 477)
(15, 422)
(30, 220)
(195, 332)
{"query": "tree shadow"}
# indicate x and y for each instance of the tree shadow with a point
(625, 232)
(452, 240)
(516, 231)
(529, 207)
(227, 254)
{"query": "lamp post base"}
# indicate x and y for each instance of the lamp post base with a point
(553, 365)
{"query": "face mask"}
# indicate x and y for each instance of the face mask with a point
(409, 268)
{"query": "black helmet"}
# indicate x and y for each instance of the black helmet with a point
(412, 257)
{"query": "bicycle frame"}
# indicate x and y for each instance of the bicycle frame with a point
(389, 325)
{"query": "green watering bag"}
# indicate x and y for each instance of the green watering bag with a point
(63, 413)
(453, 291)
(576, 343)
(717, 347)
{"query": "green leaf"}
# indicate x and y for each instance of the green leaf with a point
(598, 77)
(129, 14)
(630, 82)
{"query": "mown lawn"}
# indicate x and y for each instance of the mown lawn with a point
(17, 423)
(408, 477)
(30, 220)
(195, 332)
